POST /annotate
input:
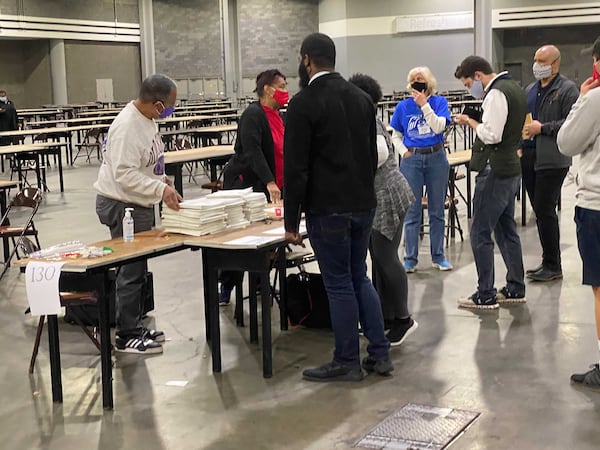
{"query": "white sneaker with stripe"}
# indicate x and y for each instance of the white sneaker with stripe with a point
(137, 344)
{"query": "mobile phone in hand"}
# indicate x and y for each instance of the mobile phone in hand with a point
(595, 73)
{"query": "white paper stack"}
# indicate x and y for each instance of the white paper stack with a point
(254, 208)
(234, 208)
(196, 217)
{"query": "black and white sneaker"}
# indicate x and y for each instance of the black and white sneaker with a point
(400, 330)
(137, 344)
(155, 335)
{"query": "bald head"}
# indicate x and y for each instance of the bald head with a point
(547, 54)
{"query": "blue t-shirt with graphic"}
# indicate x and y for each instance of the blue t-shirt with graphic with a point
(409, 120)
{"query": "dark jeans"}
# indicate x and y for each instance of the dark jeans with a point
(340, 244)
(130, 277)
(543, 189)
(493, 210)
(390, 276)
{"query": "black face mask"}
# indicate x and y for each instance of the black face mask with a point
(419, 86)
(303, 76)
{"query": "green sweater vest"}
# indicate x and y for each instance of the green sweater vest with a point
(502, 156)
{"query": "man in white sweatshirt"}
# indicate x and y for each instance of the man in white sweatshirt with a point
(132, 175)
(580, 135)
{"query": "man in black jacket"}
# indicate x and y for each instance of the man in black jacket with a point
(329, 164)
(8, 117)
(549, 100)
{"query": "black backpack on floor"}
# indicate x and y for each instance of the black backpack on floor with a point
(307, 302)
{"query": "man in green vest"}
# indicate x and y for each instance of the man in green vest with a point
(494, 157)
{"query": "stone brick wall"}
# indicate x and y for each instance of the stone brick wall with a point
(187, 38)
(271, 32)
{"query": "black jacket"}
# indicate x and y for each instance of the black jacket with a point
(554, 109)
(254, 158)
(330, 154)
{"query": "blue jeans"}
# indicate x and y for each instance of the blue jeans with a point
(430, 171)
(340, 244)
(494, 210)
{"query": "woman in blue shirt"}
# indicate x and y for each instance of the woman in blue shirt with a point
(419, 123)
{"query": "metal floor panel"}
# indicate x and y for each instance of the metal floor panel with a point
(418, 427)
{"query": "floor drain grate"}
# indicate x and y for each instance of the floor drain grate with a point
(415, 427)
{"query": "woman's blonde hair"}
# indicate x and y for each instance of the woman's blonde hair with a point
(429, 78)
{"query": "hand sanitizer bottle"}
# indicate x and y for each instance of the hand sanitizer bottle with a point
(128, 225)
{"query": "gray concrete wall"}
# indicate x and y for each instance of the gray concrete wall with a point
(37, 81)
(87, 61)
(521, 44)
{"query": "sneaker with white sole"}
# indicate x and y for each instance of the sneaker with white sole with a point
(589, 379)
(400, 330)
(476, 302)
(410, 267)
(505, 296)
(137, 344)
(443, 265)
(155, 335)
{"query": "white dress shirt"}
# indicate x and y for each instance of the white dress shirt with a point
(495, 113)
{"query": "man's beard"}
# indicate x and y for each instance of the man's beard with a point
(303, 76)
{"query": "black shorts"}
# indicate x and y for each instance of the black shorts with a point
(588, 241)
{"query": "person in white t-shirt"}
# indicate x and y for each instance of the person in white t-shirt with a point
(132, 175)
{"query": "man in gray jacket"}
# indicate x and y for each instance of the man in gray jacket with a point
(580, 135)
(549, 100)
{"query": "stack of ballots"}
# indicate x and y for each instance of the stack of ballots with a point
(253, 203)
(196, 217)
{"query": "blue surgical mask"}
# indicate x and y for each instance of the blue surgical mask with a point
(166, 112)
(476, 90)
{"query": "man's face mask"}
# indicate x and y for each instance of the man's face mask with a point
(4, 99)
(476, 90)
(541, 72)
(303, 76)
(166, 112)
(420, 86)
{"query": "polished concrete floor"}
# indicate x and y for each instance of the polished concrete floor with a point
(511, 365)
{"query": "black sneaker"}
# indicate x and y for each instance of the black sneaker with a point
(505, 296)
(137, 344)
(155, 335)
(476, 302)
(381, 366)
(590, 379)
(333, 371)
(400, 330)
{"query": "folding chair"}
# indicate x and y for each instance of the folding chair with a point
(185, 144)
(68, 299)
(25, 162)
(90, 142)
(27, 198)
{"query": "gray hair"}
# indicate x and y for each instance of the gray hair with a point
(156, 87)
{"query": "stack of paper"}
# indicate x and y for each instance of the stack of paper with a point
(254, 208)
(196, 217)
(234, 208)
(254, 202)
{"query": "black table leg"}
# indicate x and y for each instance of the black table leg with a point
(215, 330)
(2, 211)
(469, 209)
(60, 171)
(282, 274)
(523, 204)
(253, 306)
(265, 296)
(206, 296)
(178, 182)
(105, 346)
(55, 372)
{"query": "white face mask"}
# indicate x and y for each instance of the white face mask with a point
(476, 90)
(541, 72)
(3, 99)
